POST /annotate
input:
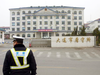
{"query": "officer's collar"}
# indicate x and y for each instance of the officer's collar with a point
(19, 45)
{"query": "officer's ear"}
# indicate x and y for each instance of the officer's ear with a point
(15, 42)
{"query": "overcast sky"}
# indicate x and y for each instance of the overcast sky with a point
(91, 12)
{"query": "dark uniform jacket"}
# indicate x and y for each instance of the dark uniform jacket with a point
(9, 61)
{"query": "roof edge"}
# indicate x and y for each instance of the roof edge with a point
(31, 7)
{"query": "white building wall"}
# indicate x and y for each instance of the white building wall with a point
(1, 38)
(53, 19)
(76, 41)
(92, 26)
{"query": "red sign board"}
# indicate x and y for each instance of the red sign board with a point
(45, 30)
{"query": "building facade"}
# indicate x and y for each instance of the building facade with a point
(1, 36)
(92, 25)
(6, 33)
(44, 22)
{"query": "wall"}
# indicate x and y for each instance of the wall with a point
(1, 39)
(49, 20)
(73, 41)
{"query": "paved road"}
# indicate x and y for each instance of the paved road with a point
(62, 61)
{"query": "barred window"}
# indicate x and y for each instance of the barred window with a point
(57, 22)
(69, 22)
(69, 17)
(28, 23)
(28, 35)
(69, 11)
(80, 12)
(23, 12)
(13, 13)
(23, 18)
(13, 18)
(63, 28)
(18, 13)
(75, 12)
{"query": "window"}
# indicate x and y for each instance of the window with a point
(13, 13)
(29, 12)
(80, 17)
(13, 18)
(75, 12)
(23, 18)
(23, 12)
(69, 28)
(69, 17)
(75, 23)
(28, 22)
(18, 18)
(18, 23)
(80, 28)
(23, 23)
(18, 29)
(34, 11)
(13, 23)
(40, 17)
(88, 28)
(45, 22)
(50, 22)
(28, 35)
(50, 17)
(63, 17)
(28, 17)
(98, 21)
(63, 28)
(23, 35)
(75, 17)
(57, 28)
(33, 35)
(63, 22)
(34, 22)
(23, 28)
(40, 27)
(50, 27)
(69, 11)
(34, 17)
(45, 17)
(69, 22)
(13, 29)
(75, 28)
(40, 22)
(57, 34)
(62, 11)
(28, 28)
(18, 35)
(46, 27)
(80, 12)
(63, 34)
(57, 22)
(18, 13)
(99, 26)
(80, 23)
(34, 28)
(57, 17)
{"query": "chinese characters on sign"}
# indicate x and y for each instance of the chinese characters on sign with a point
(76, 40)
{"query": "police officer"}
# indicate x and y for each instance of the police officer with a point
(19, 60)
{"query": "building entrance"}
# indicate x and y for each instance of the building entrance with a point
(46, 35)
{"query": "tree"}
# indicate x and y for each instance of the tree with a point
(74, 33)
(96, 33)
(82, 33)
